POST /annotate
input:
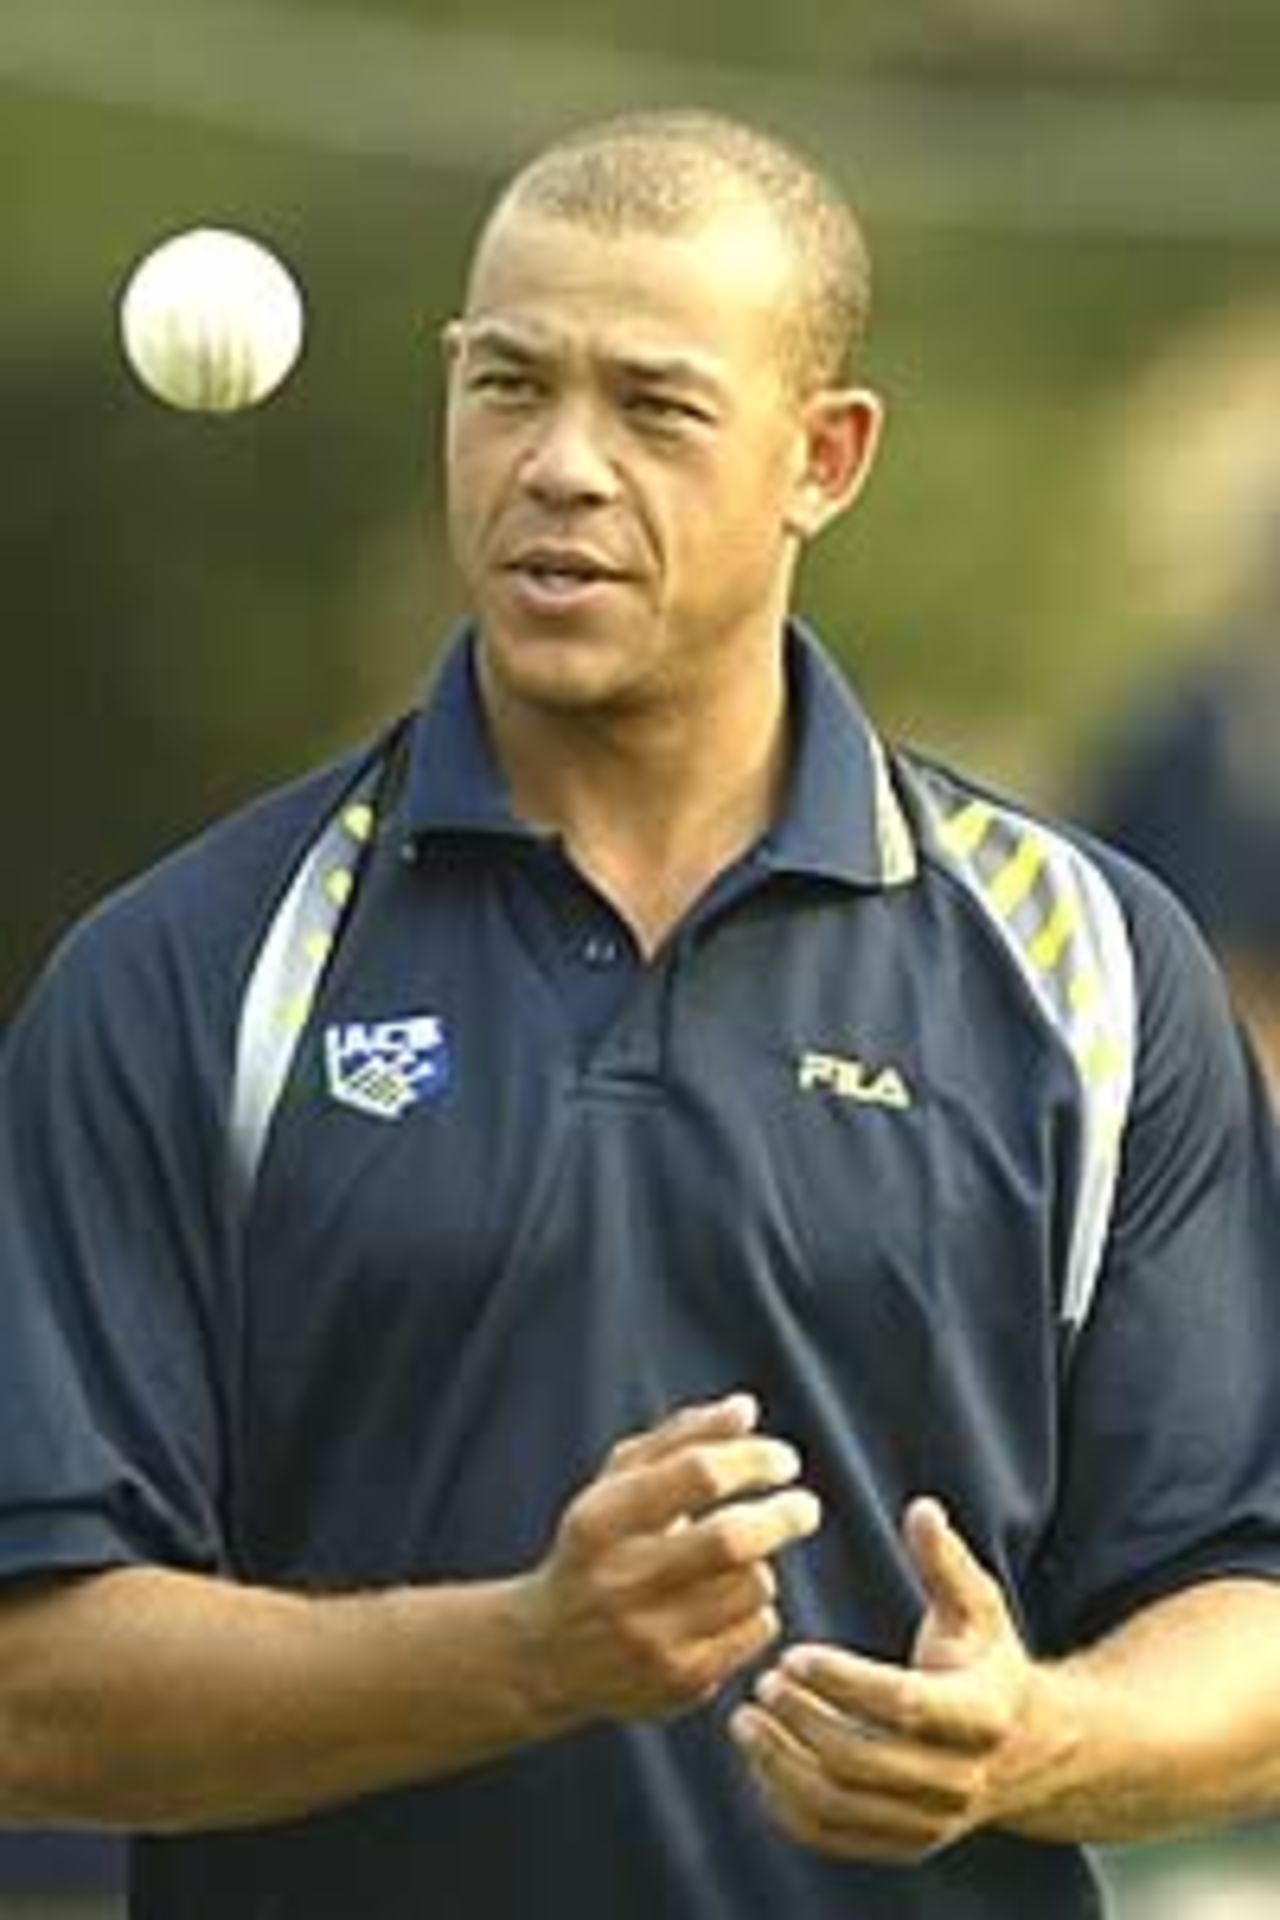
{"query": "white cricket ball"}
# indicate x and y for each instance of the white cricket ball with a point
(211, 321)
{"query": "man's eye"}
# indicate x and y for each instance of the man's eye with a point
(666, 408)
(506, 383)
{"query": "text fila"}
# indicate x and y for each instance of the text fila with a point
(851, 1079)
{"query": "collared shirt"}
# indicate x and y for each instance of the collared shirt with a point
(837, 823)
(928, 1124)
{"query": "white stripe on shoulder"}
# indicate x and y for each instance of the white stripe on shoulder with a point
(1060, 921)
(287, 972)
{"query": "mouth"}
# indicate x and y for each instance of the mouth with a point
(549, 578)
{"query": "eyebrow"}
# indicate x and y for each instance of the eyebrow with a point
(657, 368)
(490, 336)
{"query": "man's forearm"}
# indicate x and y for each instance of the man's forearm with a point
(1169, 1724)
(142, 1698)
(145, 1698)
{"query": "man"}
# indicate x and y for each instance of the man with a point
(624, 1304)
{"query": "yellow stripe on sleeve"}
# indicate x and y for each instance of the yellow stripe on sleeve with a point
(1084, 992)
(1102, 1058)
(1050, 943)
(294, 1012)
(1016, 877)
(962, 833)
(358, 821)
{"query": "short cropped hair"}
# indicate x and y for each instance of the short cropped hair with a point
(664, 171)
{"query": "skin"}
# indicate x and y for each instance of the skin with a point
(1255, 987)
(867, 1760)
(144, 1698)
(623, 399)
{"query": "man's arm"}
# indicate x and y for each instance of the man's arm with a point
(1168, 1724)
(1174, 1722)
(157, 1700)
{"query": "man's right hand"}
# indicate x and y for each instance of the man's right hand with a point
(658, 1585)
(147, 1698)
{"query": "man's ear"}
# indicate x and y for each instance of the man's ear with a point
(842, 428)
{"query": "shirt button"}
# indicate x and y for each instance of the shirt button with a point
(600, 950)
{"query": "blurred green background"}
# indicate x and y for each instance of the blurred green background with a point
(1074, 211)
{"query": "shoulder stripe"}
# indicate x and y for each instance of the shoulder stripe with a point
(1058, 918)
(1011, 885)
(1048, 944)
(961, 832)
(287, 973)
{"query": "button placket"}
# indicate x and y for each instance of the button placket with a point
(600, 950)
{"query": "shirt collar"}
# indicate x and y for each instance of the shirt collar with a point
(840, 818)
(454, 784)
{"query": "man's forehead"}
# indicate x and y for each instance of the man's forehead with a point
(692, 294)
(738, 239)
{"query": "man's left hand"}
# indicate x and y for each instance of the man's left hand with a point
(869, 1761)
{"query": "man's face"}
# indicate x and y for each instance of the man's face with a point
(625, 455)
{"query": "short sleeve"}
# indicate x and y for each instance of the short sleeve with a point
(113, 1362)
(1170, 1442)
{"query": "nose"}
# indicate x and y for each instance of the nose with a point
(567, 462)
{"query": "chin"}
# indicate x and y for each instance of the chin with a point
(566, 673)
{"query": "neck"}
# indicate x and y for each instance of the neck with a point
(651, 803)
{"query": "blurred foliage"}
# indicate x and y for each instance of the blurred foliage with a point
(196, 608)
(1230, 49)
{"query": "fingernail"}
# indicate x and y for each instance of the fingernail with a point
(767, 1688)
(744, 1405)
(741, 1727)
(928, 1506)
(808, 1511)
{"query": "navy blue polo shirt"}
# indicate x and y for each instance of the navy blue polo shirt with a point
(929, 1124)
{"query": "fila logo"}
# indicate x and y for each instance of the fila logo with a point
(851, 1079)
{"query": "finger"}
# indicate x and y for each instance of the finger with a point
(854, 1823)
(731, 1416)
(698, 1668)
(961, 1593)
(947, 1709)
(776, 1756)
(741, 1535)
(863, 1756)
(699, 1476)
(713, 1607)
(737, 1646)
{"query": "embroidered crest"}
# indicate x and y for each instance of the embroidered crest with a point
(385, 1067)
